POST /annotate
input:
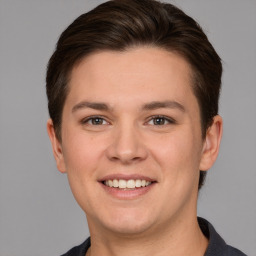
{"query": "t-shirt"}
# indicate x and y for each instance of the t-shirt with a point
(216, 246)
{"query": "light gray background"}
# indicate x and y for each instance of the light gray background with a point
(38, 215)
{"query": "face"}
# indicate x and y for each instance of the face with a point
(131, 140)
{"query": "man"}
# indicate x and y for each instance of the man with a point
(133, 90)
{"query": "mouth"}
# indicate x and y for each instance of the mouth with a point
(127, 187)
(130, 184)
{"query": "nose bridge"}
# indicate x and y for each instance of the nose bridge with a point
(127, 145)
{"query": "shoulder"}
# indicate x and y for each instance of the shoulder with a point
(79, 250)
(217, 246)
(231, 251)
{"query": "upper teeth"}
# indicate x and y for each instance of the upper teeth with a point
(126, 183)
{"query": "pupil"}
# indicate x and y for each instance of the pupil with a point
(97, 121)
(159, 121)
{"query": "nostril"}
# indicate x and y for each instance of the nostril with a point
(126, 146)
(125, 158)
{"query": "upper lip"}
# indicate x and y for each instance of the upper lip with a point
(120, 176)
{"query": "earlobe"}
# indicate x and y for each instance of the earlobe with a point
(211, 144)
(56, 147)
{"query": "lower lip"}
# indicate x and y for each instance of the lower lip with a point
(127, 194)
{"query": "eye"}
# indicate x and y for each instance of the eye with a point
(160, 120)
(97, 120)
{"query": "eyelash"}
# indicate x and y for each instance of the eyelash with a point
(152, 118)
(91, 118)
(168, 119)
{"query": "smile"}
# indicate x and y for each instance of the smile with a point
(127, 184)
(127, 187)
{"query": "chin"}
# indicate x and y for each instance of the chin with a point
(129, 227)
(125, 222)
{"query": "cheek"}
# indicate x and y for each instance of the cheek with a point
(178, 155)
(82, 152)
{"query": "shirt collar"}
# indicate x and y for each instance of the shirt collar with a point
(216, 243)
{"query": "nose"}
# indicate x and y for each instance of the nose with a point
(127, 146)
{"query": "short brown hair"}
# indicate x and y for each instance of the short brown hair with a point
(120, 24)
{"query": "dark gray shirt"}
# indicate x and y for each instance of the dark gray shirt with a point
(216, 247)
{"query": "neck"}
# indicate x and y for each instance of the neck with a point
(182, 237)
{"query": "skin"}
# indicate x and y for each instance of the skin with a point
(128, 141)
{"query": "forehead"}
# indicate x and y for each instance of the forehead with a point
(143, 73)
(134, 59)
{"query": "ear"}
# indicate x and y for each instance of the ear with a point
(211, 144)
(56, 147)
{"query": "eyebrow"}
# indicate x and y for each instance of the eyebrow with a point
(163, 104)
(92, 105)
(148, 106)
